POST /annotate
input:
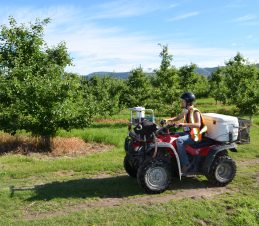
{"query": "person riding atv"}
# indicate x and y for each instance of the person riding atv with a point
(193, 127)
(156, 154)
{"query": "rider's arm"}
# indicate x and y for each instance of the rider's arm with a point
(197, 120)
(177, 118)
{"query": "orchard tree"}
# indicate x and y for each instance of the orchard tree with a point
(201, 86)
(138, 89)
(105, 94)
(187, 77)
(36, 94)
(242, 81)
(193, 82)
(217, 86)
(166, 91)
(166, 58)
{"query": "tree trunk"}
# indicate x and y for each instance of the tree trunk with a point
(46, 143)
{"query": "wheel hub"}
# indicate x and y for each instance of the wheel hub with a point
(223, 172)
(156, 177)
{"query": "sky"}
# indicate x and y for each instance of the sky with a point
(121, 35)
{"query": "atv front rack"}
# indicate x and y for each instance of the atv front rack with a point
(244, 131)
(138, 114)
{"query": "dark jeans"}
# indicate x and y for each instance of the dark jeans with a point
(184, 138)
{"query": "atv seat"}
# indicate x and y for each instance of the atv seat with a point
(203, 143)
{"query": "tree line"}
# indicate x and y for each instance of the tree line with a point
(37, 94)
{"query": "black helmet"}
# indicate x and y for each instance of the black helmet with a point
(188, 97)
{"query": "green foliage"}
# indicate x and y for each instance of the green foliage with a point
(187, 77)
(138, 89)
(166, 58)
(166, 89)
(238, 82)
(217, 86)
(36, 94)
(104, 93)
(192, 82)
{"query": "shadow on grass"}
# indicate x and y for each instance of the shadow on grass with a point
(189, 183)
(112, 187)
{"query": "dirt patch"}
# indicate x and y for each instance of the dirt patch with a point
(64, 173)
(75, 146)
(248, 162)
(62, 146)
(257, 178)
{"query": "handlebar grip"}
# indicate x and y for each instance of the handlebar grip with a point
(163, 122)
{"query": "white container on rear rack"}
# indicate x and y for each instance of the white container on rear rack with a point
(222, 128)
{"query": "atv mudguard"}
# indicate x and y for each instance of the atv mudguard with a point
(167, 145)
(219, 149)
(128, 145)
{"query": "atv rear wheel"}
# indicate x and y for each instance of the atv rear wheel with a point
(223, 171)
(129, 166)
(154, 176)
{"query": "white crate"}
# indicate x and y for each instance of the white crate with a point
(223, 128)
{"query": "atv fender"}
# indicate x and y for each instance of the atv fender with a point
(127, 144)
(168, 145)
(219, 149)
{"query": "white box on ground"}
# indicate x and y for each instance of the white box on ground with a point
(223, 128)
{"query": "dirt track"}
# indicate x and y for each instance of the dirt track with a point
(191, 188)
(180, 193)
(146, 200)
(249, 162)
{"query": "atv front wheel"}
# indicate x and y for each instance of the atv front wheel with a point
(129, 166)
(154, 176)
(223, 171)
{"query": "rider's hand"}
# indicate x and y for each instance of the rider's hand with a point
(180, 124)
(169, 120)
(163, 122)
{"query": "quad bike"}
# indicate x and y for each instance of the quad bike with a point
(151, 154)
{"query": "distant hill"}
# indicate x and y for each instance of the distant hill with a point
(207, 71)
(121, 75)
(124, 75)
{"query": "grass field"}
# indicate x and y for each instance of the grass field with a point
(94, 189)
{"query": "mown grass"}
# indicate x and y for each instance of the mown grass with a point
(29, 185)
(201, 212)
(100, 132)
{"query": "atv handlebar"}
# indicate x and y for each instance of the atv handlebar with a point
(163, 123)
